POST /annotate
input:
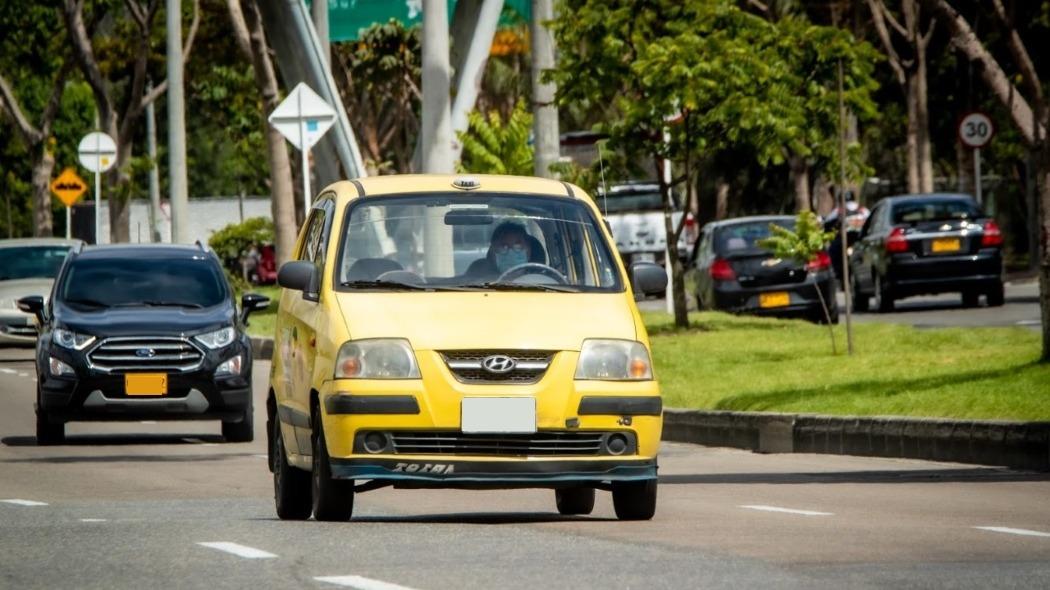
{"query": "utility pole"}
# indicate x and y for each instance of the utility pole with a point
(846, 285)
(436, 132)
(176, 127)
(545, 112)
(319, 8)
(154, 170)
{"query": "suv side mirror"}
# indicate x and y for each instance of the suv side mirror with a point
(252, 302)
(648, 278)
(300, 275)
(33, 304)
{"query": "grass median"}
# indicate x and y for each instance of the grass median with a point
(725, 362)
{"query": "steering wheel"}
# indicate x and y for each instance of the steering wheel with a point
(533, 268)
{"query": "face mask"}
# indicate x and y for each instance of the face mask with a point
(510, 258)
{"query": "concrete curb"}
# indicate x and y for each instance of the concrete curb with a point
(1020, 445)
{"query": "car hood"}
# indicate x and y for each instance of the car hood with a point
(492, 320)
(18, 288)
(144, 321)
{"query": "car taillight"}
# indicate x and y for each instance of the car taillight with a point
(992, 235)
(722, 271)
(821, 262)
(690, 231)
(896, 242)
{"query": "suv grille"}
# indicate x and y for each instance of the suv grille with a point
(540, 443)
(145, 354)
(468, 366)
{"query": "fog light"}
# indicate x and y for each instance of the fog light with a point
(375, 442)
(231, 367)
(58, 368)
(617, 444)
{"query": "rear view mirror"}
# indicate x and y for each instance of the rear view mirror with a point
(468, 217)
(33, 304)
(648, 278)
(300, 275)
(252, 302)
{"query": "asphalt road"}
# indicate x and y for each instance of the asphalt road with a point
(132, 505)
(942, 311)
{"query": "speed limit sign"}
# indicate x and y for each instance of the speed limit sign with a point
(975, 130)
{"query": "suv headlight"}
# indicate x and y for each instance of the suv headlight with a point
(72, 340)
(614, 360)
(376, 358)
(218, 338)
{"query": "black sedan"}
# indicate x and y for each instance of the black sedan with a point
(927, 244)
(729, 271)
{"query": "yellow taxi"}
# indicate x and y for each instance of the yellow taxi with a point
(461, 332)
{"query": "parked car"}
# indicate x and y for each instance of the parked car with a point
(529, 367)
(729, 271)
(856, 215)
(925, 244)
(27, 267)
(635, 213)
(142, 332)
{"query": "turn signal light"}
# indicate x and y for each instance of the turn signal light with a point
(896, 243)
(993, 236)
(721, 270)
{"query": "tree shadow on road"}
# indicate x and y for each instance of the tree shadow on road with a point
(973, 475)
(102, 440)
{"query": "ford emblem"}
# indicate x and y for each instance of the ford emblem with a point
(498, 364)
(145, 353)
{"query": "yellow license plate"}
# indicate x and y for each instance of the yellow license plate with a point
(146, 384)
(945, 245)
(776, 299)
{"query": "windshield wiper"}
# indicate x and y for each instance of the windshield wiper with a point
(378, 284)
(86, 302)
(172, 304)
(496, 286)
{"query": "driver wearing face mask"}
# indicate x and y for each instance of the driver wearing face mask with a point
(509, 247)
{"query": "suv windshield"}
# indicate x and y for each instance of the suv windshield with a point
(485, 241)
(31, 262)
(934, 210)
(742, 239)
(152, 281)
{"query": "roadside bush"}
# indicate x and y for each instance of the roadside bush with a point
(234, 241)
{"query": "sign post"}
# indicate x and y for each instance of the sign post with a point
(976, 130)
(98, 153)
(303, 117)
(68, 187)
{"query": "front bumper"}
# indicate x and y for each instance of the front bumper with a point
(17, 328)
(525, 472)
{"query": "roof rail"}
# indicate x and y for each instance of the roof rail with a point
(203, 247)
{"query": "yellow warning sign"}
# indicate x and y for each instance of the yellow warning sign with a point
(68, 187)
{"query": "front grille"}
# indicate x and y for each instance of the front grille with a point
(467, 366)
(145, 354)
(540, 443)
(18, 329)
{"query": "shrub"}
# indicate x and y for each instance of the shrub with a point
(232, 242)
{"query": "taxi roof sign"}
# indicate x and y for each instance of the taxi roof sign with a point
(68, 187)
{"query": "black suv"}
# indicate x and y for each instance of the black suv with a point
(136, 332)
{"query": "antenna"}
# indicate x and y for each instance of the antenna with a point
(605, 190)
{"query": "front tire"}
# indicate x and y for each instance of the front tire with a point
(291, 486)
(883, 297)
(574, 500)
(635, 500)
(48, 434)
(333, 499)
(243, 431)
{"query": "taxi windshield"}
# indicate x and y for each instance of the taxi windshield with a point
(479, 242)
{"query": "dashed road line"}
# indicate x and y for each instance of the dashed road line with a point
(786, 510)
(360, 583)
(261, 456)
(239, 550)
(93, 520)
(20, 502)
(8, 371)
(1013, 531)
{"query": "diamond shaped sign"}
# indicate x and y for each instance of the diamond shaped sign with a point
(303, 117)
(68, 187)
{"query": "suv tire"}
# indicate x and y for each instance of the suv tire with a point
(242, 431)
(291, 486)
(48, 433)
(635, 500)
(574, 500)
(333, 499)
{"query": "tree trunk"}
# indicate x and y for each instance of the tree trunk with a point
(822, 194)
(922, 122)
(721, 198)
(1044, 246)
(964, 162)
(800, 179)
(118, 195)
(44, 165)
(912, 142)
(681, 314)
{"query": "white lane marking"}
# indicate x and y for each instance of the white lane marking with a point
(93, 520)
(1010, 531)
(1030, 323)
(360, 582)
(239, 550)
(786, 510)
(261, 456)
(19, 502)
(8, 371)
(23, 374)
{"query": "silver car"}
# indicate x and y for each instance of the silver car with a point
(27, 267)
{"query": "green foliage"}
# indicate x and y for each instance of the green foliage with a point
(234, 240)
(491, 146)
(801, 244)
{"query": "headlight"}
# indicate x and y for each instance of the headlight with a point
(614, 360)
(67, 339)
(217, 339)
(378, 358)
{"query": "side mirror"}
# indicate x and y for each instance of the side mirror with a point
(252, 302)
(33, 304)
(300, 275)
(648, 278)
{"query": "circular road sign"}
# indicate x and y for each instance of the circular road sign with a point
(976, 130)
(97, 151)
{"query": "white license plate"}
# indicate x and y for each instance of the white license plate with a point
(498, 414)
